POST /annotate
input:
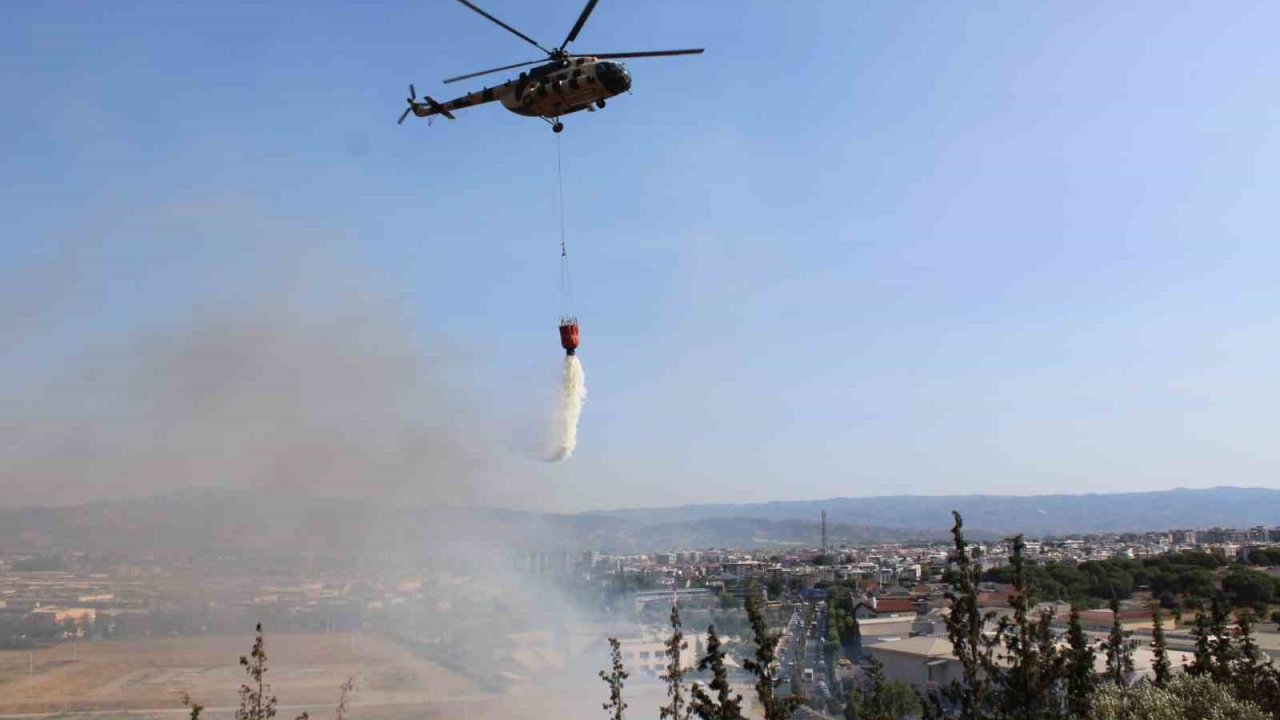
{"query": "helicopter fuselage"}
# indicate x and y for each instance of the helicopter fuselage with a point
(547, 91)
(563, 83)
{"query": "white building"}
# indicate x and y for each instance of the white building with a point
(647, 656)
(925, 663)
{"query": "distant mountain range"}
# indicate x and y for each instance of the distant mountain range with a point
(211, 522)
(1036, 515)
(204, 521)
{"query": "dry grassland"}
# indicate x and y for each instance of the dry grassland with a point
(305, 670)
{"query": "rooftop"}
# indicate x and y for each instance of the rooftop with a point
(920, 646)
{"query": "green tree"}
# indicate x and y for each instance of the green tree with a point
(1081, 682)
(1247, 674)
(1254, 677)
(880, 698)
(971, 695)
(256, 702)
(1249, 587)
(343, 692)
(776, 587)
(1051, 679)
(1187, 574)
(1119, 652)
(615, 679)
(1033, 667)
(726, 705)
(1184, 697)
(1160, 664)
(1221, 645)
(1202, 655)
(677, 707)
(1264, 556)
(831, 647)
(195, 707)
(762, 665)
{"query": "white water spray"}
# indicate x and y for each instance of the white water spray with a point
(573, 392)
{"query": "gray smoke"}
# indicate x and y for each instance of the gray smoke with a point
(262, 395)
(285, 378)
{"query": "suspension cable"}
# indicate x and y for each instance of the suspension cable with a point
(566, 283)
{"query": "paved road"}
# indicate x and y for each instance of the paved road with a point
(802, 646)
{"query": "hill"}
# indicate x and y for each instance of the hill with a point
(1036, 515)
(193, 522)
(203, 522)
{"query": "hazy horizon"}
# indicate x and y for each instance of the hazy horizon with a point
(274, 494)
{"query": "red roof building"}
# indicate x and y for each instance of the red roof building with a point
(885, 607)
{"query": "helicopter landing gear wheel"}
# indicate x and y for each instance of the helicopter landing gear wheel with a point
(600, 104)
(557, 127)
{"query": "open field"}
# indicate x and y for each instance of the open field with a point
(305, 671)
(143, 680)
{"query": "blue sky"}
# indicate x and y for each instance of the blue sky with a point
(854, 249)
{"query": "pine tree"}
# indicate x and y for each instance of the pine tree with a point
(1051, 677)
(615, 680)
(1254, 677)
(1248, 672)
(1202, 656)
(343, 692)
(1250, 654)
(1028, 684)
(852, 703)
(1160, 664)
(970, 696)
(881, 698)
(1015, 694)
(255, 702)
(1238, 664)
(761, 665)
(1119, 652)
(1221, 646)
(863, 703)
(726, 705)
(1081, 682)
(195, 707)
(677, 707)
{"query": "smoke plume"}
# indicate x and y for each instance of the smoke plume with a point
(573, 392)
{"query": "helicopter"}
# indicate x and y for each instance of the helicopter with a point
(563, 83)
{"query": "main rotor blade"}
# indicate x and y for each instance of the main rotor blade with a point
(507, 27)
(404, 115)
(651, 53)
(494, 70)
(582, 20)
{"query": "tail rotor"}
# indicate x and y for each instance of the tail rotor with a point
(428, 102)
(413, 104)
